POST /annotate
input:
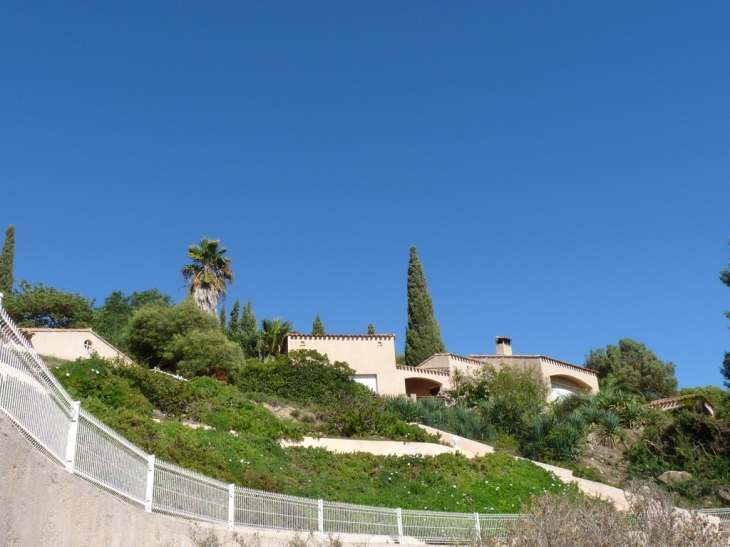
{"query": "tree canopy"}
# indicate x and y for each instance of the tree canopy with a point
(6, 262)
(423, 334)
(208, 275)
(39, 306)
(153, 328)
(634, 367)
(112, 319)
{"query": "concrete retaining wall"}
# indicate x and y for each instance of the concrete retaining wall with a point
(42, 505)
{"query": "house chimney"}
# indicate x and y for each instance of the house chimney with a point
(504, 345)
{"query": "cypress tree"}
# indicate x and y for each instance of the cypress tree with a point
(222, 318)
(6, 261)
(725, 369)
(317, 326)
(234, 322)
(250, 333)
(423, 335)
(371, 329)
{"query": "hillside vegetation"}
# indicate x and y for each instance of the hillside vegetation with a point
(241, 445)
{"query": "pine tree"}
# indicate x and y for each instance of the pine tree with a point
(317, 326)
(6, 261)
(423, 335)
(371, 329)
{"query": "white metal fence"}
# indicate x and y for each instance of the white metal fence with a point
(55, 424)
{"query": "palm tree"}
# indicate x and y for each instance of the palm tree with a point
(273, 333)
(208, 275)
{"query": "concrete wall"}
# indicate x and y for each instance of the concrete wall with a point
(70, 344)
(366, 354)
(42, 505)
(379, 448)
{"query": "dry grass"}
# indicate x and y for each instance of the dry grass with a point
(654, 521)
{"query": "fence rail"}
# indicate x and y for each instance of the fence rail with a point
(55, 424)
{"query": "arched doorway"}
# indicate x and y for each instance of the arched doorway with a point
(422, 387)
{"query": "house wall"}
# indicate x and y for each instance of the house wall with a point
(367, 354)
(69, 344)
(557, 374)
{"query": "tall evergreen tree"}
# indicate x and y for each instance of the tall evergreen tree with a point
(423, 335)
(317, 326)
(6, 261)
(371, 329)
(234, 322)
(250, 338)
(222, 318)
(725, 369)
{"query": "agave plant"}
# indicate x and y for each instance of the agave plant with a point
(405, 408)
(608, 431)
(567, 441)
(577, 420)
(634, 415)
(536, 437)
(470, 425)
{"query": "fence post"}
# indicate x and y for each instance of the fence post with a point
(150, 483)
(231, 506)
(320, 517)
(478, 525)
(1, 299)
(399, 515)
(73, 432)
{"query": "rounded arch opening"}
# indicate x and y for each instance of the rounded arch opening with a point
(422, 387)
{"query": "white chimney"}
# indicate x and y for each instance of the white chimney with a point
(504, 345)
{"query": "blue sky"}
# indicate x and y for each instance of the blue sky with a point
(562, 168)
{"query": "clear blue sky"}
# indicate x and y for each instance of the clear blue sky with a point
(561, 167)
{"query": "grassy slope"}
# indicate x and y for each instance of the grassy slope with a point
(125, 399)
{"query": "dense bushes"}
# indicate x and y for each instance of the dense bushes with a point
(689, 441)
(303, 376)
(507, 397)
(346, 408)
(154, 327)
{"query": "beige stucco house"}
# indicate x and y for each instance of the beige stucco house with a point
(372, 356)
(71, 344)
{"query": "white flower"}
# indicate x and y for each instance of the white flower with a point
(68, 374)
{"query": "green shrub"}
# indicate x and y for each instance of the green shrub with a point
(206, 353)
(507, 397)
(303, 376)
(167, 394)
(154, 327)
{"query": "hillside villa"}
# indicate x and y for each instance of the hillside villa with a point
(372, 357)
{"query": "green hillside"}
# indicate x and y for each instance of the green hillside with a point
(239, 445)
